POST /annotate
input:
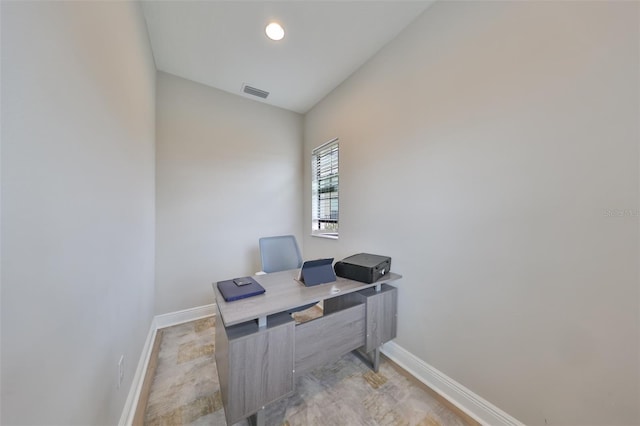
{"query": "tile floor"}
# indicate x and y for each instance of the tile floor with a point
(185, 390)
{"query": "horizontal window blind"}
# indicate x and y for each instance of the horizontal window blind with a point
(325, 183)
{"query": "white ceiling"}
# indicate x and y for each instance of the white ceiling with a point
(222, 43)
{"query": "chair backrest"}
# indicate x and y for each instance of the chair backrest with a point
(279, 253)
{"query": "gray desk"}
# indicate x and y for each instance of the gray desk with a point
(260, 350)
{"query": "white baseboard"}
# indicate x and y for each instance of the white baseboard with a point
(159, 321)
(475, 406)
(472, 404)
(131, 403)
(179, 317)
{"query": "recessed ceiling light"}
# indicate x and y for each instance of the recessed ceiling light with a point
(274, 31)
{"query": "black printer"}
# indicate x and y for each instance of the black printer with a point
(363, 267)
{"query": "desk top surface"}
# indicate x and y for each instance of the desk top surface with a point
(284, 292)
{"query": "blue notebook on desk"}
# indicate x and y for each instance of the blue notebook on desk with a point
(239, 288)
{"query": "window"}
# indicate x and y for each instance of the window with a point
(324, 190)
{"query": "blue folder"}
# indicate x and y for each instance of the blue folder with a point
(231, 291)
(314, 272)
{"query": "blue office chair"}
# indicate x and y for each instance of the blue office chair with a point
(281, 253)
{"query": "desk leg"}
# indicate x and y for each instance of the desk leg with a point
(371, 358)
(257, 419)
(376, 359)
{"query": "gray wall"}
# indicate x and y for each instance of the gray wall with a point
(492, 151)
(229, 171)
(78, 94)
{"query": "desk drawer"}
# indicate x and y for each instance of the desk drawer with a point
(327, 338)
(382, 312)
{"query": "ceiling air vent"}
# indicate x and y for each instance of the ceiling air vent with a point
(255, 92)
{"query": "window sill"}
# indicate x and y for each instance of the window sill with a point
(328, 236)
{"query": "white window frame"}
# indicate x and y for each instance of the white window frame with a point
(325, 182)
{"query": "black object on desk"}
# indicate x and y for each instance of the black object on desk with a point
(239, 288)
(314, 272)
(364, 267)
